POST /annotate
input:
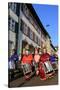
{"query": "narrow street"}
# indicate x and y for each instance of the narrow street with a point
(34, 81)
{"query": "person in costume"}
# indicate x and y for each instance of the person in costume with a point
(36, 60)
(13, 59)
(26, 63)
(45, 66)
(53, 61)
(27, 58)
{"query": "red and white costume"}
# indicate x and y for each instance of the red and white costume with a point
(26, 65)
(27, 59)
(45, 65)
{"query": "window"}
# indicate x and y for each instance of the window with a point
(10, 47)
(24, 28)
(21, 27)
(30, 17)
(12, 6)
(25, 10)
(9, 5)
(36, 39)
(31, 34)
(11, 24)
(41, 43)
(35, 27)
(43, 36)
(38, 30)
(31, 20)
(28, 32)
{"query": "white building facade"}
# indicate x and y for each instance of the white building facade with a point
(25, 28)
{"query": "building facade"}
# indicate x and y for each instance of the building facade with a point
(13, 27)
(53, 50)
(26, 29)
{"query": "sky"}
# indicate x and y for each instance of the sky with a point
(48, 14)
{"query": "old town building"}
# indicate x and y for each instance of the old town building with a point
(25, 28)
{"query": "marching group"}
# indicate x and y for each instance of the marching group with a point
(43, 64)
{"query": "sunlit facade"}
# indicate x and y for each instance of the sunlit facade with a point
(26, 29)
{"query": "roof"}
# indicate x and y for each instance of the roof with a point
(37, 18)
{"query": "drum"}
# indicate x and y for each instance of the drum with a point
(46, 70)
(47, 66)
(26, 68)
(11, 65)
(54, 65)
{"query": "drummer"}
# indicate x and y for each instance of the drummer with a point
(36, 60)
(27, 58)
(13, 59)
(45, 60)
(53, 60)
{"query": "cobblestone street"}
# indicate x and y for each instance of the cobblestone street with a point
(34, 81)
